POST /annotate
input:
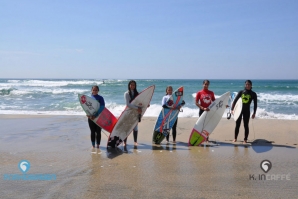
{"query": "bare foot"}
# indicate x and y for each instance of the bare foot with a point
(245, 141)
(136, 144)
(93, 146)
(235, 140)
(174, 142)
(97, 146)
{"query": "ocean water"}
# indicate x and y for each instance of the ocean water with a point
(277, 99)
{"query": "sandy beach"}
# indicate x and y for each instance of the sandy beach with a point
(61, 145)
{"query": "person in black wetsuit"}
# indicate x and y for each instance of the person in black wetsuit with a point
(247, 96)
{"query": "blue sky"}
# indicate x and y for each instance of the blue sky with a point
(149, 39)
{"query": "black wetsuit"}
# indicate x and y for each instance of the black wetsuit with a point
(247, 97)
(95, 132)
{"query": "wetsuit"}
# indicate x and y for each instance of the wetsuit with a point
(164, 105)
(94, 128)
(247, 97)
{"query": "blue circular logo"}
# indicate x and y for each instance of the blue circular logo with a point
(24, 166)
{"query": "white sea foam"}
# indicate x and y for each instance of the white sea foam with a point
(152, 111)
(49, 83)
(278, 98)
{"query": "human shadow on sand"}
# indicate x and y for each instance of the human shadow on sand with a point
(258, 145)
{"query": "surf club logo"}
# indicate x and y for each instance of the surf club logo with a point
(219, 105)
(105, 119)
(207, 99)
(24, 166)
(179, 93)
(83, 99)
(89, 104)
(266, 166)
(170, 102)
(245, 98)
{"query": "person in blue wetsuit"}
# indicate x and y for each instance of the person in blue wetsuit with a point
(94, 128)
(247, 96)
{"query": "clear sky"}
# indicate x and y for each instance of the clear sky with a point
(149, 39)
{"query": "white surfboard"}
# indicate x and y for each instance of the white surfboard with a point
(208, 120)
(129, 117)
(237, 109)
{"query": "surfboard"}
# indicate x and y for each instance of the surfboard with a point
(237, 109)
(208, 120)
(167, 117)
(105, 119)
(130, 117)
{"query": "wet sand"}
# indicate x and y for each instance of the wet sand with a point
(61, 145)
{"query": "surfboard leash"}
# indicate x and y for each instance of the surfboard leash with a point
(104, 132)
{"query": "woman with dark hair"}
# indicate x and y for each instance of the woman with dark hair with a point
(247, 96)
(204, 98)
(94, 128)
(129, 95)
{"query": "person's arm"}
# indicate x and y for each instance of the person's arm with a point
(213, 97)
(197, 100)
(255, 106)
(198, 104)
(102, 105)
(127, 99)
(164, 102)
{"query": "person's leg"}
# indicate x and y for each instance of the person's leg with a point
(98, 136)
(92, 129)
(135, 135)
(168, 137)
(201, 112)
(246, 125)
(174, 131)
(238, 123)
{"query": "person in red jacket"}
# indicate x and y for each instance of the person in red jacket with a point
(204, 98)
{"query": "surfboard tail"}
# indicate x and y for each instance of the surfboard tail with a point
(197, 138)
